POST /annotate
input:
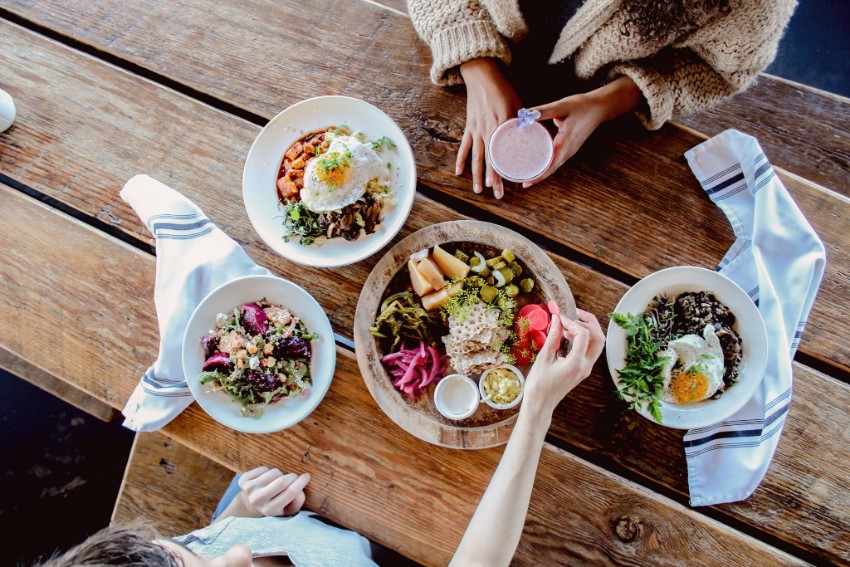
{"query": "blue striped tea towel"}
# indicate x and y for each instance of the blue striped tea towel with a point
(778, 258)
(193, 257)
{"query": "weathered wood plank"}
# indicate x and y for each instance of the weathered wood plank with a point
(616, 193)
(170, 485)
(801, 129)
(57, 387)
(125, 324)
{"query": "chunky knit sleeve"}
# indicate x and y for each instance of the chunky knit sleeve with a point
(457, 31)
(714, 63)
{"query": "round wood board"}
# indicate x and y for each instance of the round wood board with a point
(486, 427)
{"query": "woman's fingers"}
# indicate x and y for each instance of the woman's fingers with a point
(294, 506)
(250, 475)
(597, 337)
(553, 339)
(463, 151)
(556, 109)
(579, 335)
(498, 187)
(289, 495)
(477, 166)
(275, 487)
(253, 482)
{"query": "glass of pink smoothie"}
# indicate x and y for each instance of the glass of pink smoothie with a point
(520, 153)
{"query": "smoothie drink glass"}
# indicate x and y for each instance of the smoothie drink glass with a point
(521, 148)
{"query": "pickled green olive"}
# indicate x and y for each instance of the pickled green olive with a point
(512, 290)
(526, 285)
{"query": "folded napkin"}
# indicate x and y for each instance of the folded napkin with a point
(193, 257)
(779, 260)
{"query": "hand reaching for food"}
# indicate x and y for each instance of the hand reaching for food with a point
(269, 492)
(553, 376)
(491, 100)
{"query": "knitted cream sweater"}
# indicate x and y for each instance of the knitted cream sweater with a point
(680, 75)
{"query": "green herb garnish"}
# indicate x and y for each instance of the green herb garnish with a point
(299, 221)
(641, 378)
(381, 143)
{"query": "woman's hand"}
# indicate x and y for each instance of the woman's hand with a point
(490, 100)
(269, 492)
(552, 376)
(578, 116)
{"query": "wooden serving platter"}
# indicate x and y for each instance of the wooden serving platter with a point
(487, 427)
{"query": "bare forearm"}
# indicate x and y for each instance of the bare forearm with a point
(617, 98)
(494, 532)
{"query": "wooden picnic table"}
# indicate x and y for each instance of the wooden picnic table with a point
(110, 89)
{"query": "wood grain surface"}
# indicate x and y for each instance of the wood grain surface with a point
(588, 417)
(170, 485)
(616, 192)
(79, 148)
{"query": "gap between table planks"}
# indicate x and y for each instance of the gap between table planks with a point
(100, 158)
(120, 281)
(618, 210)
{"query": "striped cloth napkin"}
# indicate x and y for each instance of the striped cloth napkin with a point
(193, 257)
(779, 260)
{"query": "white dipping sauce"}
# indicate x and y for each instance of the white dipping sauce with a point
(456, 396)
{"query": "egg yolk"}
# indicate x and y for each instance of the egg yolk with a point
(334, 168)
(689, 387)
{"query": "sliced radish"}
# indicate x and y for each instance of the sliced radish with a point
(522, 352)
(537, 339)
(538, 319)
(554, 309)
(526, 308)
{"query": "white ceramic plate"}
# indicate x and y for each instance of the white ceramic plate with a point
(259, 177)
(248, 290)
(749, 325)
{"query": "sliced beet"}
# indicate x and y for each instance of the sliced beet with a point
(219, 361)
(209, 344)
(254, 319)
(265, 381)
(292, 347)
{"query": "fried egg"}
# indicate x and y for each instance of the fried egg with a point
(695, 369)
(339, 177)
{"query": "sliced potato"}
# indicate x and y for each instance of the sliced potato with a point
(420, 285)
(432, 273)
(435, 299)
(451, 266)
